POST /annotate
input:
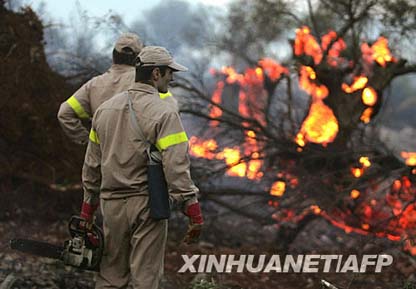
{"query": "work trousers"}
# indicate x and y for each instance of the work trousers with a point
(134, 245)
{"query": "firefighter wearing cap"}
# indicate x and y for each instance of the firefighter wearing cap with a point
(115, 175)
(85, 101)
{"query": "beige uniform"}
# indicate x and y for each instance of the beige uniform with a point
(85, 101)
(115, 172)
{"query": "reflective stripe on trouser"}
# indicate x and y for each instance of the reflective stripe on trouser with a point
(134, 245)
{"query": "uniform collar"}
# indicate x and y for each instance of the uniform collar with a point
(139, 86)
(121, 67)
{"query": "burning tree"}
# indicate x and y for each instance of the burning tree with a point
(313, 156)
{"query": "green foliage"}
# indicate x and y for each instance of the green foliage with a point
(409, 285)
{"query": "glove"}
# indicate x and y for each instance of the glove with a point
(193, 212)
(87, 213)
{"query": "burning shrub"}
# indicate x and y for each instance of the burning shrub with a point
(327, 163)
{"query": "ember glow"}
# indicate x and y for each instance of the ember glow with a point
(355, 194)
(398, 209)
(251, 93)
(321, 125)
(378, 52)
(307, 83)
(369, 96)
(278, 189)
(359, 83)
(273, 69)
(305, 43)
(365, 161)
(202, 149)
(232, 156)
(410, 158)
(316, 209)
(215, 111)
(359, 171)
(366, 115)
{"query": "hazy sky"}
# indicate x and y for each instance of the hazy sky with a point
(129, 9)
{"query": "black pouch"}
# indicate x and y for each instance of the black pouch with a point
(158, 189)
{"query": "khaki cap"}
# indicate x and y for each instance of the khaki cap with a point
(129, 40)
(158, 56)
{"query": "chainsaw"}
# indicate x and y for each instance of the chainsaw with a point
(83, 250)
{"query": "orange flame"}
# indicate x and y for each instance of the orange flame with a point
(306, 44)
(316, 209)
(357, 172)
(300, 140)
(273, 69)
(369, 96)
(408, 246)
(252, 95)
(202, 149)
(378, 52)
(316, 91)
(232, 156)
(251, 148)
(278, 189)
(410, 158)
(365, 226)
(320, 126)
(232, 75)
(366, 115)
(215, 111)
(355, 194)
(358, 83)
(336, 48)
(365, 161)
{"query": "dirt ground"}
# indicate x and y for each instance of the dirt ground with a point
(35, 272)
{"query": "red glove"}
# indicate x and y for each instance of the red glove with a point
(87, 212)
(193, 212)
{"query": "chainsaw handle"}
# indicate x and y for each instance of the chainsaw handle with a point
(78, 227)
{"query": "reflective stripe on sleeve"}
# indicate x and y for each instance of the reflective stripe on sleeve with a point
(164, 95)
(94, 137)
(170, 140)
(76, 106)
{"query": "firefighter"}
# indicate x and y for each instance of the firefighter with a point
(114, 175)
(85, 101)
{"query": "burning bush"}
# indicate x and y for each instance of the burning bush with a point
(327, 163)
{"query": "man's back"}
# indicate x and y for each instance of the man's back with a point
(86, 100)
(117, 79)
(123, 152)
